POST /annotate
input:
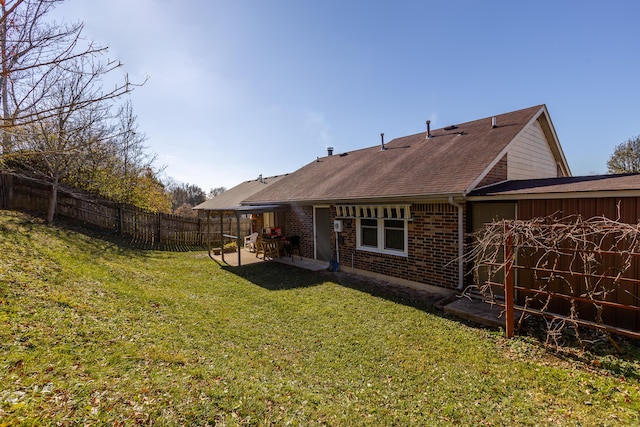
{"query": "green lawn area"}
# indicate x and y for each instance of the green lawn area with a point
(94, 333)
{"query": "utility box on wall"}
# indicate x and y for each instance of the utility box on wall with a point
(337, 226)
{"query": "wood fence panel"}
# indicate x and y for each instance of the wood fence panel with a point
(29, 195)
(4, 190)
(622, 209)
(155, 230)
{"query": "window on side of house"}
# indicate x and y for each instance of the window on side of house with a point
(269, 220)
(369, 233)
(382, 229)
(394, 235)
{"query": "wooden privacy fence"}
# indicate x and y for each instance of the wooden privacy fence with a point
(156, 230)
(4, 191)
(571, 272)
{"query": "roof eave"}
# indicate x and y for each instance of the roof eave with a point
(555, 195)
(412, 198)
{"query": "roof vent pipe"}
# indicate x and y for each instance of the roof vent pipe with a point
(329, 151)
(382, 142)
(494, 122)
(428, 122)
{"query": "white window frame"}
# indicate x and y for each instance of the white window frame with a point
(379, 213)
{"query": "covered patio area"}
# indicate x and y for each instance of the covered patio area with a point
(245, 257)
(230, 204)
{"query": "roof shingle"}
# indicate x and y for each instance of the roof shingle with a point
(575, 184)
(412, 166)
(232, 198)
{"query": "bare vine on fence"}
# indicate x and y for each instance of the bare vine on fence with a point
(582, 262)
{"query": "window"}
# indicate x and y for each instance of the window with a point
(369, 233)
(379, 228)
(394, 235)
(269, 220)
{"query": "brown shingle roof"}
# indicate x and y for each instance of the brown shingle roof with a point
(232, 198)
(412, 166)
(562, 186)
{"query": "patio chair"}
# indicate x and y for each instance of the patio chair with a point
(250, 242)
(293, 244)
(269, 249)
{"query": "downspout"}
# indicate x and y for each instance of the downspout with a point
(460, 242)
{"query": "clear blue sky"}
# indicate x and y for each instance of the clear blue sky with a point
(240, 88)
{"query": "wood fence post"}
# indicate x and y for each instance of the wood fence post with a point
(8, 191)
(508, 286)
(4, 190)
(208, 233)
(159, 229)
(3, 194)
(119, 220)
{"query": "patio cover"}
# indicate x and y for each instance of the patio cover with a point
(231, 203)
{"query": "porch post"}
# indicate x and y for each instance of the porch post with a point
(208, 234)
(222, 235)
(238, 237)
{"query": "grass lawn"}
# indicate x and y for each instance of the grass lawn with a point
(94, 333)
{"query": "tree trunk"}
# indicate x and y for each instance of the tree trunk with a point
(4, 84)
(53, 201)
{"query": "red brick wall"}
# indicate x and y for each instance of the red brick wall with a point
(432, 245)
(299, 222)
(432, 248)
(497, 174)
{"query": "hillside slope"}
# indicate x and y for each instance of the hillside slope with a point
(93, 333)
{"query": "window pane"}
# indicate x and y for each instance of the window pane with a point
(369, 232)
(394, 234)
(394, 239)
(369, 236)
(394, 224)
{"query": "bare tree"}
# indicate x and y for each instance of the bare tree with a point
(60, 141)
(132, 151)
(626, 157)
(185, 194)
(53, 104)
(216, 192)
(36, 56)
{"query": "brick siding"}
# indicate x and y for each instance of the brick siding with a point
(299, 222)
(432, 248)
(432, 245)
(497, 174)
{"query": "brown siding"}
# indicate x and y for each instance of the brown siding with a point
(629, 211)
(622, 209)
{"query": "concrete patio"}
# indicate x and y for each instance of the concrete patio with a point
(248, 258)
